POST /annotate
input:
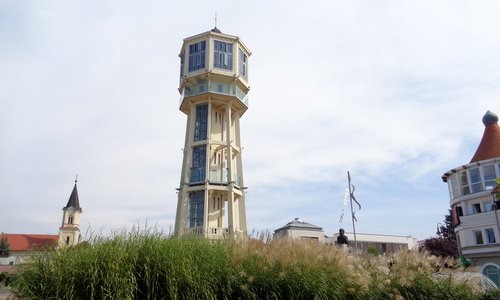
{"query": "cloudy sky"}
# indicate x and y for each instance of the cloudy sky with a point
(393, 91)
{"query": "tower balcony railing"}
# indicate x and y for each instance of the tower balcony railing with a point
(216, 176)
(216, 88)
(211, 233)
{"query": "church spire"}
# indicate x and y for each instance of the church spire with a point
(73, 198)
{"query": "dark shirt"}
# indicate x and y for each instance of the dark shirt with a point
(342, 240)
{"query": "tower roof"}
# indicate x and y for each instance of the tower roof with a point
(215, 29)
(73, 199)
(490, 143)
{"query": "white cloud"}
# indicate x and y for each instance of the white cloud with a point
(391, 91)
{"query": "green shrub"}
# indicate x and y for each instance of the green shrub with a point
(146, 264)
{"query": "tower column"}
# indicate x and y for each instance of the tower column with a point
(229, 165)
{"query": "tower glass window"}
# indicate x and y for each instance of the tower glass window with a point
(242, 67)
(197, 56)
(475, 180)
(464, 184)
(223, 55)
(196, 208)
(489, 176)
(198, 164)
(200, 126)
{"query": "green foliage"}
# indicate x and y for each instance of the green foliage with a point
(447, 230)
(497, 189)
(372, 250)
(464, 261)
(4, 247)
(149, 265)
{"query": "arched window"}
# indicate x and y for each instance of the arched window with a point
(492, 272)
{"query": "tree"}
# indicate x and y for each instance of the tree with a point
(447, 230)
(445, 244)
(439, 246)
(4, 247)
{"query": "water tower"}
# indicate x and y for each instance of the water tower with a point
(213, 87)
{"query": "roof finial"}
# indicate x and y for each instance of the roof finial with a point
(216, 30)
(490, 118)
(76, 178)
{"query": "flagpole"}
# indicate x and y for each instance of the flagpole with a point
(352, 213)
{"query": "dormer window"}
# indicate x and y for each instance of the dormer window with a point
(197, 56)
(223, 55)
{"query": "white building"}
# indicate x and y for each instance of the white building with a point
(475, 211)
(300, 230)
(385, 244)
(213, 86)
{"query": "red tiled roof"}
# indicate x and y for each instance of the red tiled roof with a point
(25, 242)
(490, 143)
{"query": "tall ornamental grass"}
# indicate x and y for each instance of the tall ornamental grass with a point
(146, 264)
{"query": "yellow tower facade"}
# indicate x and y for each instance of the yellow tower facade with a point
(69, 232)
(214, 87)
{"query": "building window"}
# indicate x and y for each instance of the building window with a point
(478, 235)
(476, 208)
(489, 176)
(223, 55)
(493, 273)
(197, 56)
(198, 164)
(475, 180)
(488, 206)
(67, 240)
(200, 125)
(196, 201)
(490, 234)
(70, 220)
(242, 67)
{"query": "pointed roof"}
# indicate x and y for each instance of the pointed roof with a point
(215, 29)
(490, 143)
(73, 199)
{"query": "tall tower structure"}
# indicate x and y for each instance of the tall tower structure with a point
(69, 232)
(213, 86)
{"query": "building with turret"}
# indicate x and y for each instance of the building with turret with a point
(474, 207)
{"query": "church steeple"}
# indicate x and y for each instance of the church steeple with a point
(69, 232)
(73, 199)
